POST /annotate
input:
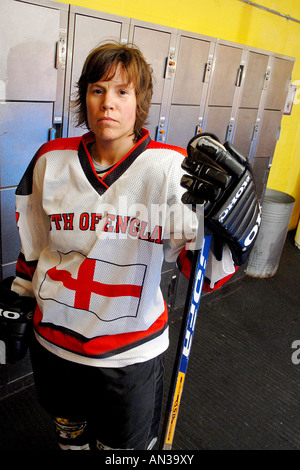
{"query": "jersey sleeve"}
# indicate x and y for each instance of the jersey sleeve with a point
(181, 224)
(33, 224)
(217, 272)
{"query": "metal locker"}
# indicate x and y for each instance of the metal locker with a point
(157, 44)
(32, 68)
(24, 127)
(250, 103)
(191, 81)
(269, 133)
(223, 91)
(254, 79)
(192, 71)
(153, 119)
(217, 121)
(225, 75)
(277, 79)
(87, 32)
(244, 129)
(10, 243)
(27, 53)
(183, 122)
(32, 59)
(280, 77)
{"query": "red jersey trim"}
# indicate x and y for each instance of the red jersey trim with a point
(101, 346)
(25, 269)
(60, 144)
(158, 145)
(206, 284)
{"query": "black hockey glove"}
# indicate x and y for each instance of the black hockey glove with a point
(221, 178)
(16, 314)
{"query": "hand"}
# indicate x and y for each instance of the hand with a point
(16, 314)
(221, 177)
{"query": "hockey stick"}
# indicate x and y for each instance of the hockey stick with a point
(186, 337)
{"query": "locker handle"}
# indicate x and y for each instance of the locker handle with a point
(239, 75)
(51, 134)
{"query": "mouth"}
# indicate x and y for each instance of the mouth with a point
(106, 119)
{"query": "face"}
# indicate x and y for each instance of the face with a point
(111, 110)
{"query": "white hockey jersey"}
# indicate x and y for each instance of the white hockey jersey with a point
(92, 248)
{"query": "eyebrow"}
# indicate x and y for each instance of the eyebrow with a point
(118, 85)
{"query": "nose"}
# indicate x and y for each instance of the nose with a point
(107, 102)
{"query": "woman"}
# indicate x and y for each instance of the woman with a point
(97, 215)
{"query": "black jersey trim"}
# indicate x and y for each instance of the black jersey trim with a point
(125, 163)
(102, 184)
(104, 355)
(89, 171)
(25, 185)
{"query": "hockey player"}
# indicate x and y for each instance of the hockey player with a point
(97, 215)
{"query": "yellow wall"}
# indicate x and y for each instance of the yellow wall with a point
(235, 21)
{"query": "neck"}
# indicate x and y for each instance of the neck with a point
(111, 152)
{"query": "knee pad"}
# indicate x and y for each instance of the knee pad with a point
(71, 435)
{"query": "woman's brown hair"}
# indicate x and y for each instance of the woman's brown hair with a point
(101, 64)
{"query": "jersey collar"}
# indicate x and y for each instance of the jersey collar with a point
(102, 184)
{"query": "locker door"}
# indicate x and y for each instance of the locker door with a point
(217, 121)
(155, 42)
(254, 80)
(182, 124)
(223, 91)
(269, 133)
(29, 34)
(190, 89)
(225, 75)
(280, 76)
(244, 129)
(190, 73)
(155, 45)
(32, 68)
(87, 33)
(276, 89)
(32, 38)
(250, 101)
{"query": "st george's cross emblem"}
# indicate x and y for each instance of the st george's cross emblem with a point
(91, 285)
